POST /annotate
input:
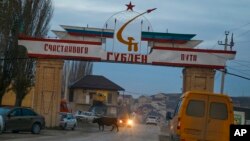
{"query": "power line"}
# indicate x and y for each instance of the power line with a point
(224, 71)
(232, 29)
(216, 42)
(243, 65)
(243, 61)
(243, 70)
(237, 28)
(240, 71)
(242, 42)
(225, 48)
(234, 74)
(243, 33)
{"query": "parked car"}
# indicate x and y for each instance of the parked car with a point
(85, 116)
(1, 124)
(21, 119)
(151, 120)
(68, 121)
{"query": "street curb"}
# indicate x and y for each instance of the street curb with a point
(164, 138)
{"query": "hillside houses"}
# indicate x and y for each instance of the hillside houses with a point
(161, 103)
(155, 105)
(241, 101)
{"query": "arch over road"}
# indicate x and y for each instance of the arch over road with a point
(84, 43)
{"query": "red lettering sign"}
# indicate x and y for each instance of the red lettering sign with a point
(66, 49)
(129, 58)
(189, 57)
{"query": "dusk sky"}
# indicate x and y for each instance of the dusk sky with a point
(208, 19)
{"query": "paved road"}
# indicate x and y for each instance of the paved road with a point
(90, 133)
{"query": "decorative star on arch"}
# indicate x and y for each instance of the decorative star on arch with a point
(130, 6)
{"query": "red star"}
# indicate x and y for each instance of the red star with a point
(130, 6)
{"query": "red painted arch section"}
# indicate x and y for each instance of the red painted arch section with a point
(63, 57)
(187, 65)
(194, 50)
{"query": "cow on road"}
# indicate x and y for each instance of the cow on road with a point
(108, 121)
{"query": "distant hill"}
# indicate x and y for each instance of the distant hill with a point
(162, 103)
(241, 101)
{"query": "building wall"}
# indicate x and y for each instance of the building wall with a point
(47, 94)
(143, 100)
(198, 79)
(160, 95)
(81, 102)
(45, 97)
(9, 98)
(114, 97)
(79, 96)
(112, 107)
(112, 111)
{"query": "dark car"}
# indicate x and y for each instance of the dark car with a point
(125, 122)
(21, 119)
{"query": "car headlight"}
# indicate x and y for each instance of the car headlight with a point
(130, 122)
(120, 121)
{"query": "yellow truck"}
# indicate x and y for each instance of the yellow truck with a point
(202, 116)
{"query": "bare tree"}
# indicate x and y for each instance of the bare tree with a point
(6, 42)
(73, 71)
(29, 18)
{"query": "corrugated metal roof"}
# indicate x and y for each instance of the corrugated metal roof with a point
(96, 82)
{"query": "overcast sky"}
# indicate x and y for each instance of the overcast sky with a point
(208, 19)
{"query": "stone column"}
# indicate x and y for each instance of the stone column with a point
(198, 79)
(48, 90)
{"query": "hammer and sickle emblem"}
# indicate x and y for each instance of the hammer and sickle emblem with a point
(130, 40)
(131, 44)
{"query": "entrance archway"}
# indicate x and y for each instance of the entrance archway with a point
(84, 43)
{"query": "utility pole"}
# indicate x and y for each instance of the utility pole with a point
(225, 48)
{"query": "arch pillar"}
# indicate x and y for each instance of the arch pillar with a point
(198, 79)
(48, 90)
